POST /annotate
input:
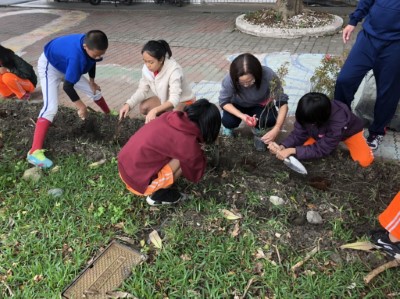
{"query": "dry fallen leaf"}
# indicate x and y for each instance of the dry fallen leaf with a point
(126, 239)
(91, 208)
(119, 294)
(230, 215)
(224, 174)
(258, 268)
(363, 245)
(260, 254)
(236, 230)
(155, 239)
(186, 257)
(309, 272)
(38, 278)
(119, 225)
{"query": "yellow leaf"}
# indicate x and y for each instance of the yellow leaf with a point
(230, 215)
(142, 243)
(97, 164)
(155, 239)
(55, 169)
(363, 245)
(260, 254)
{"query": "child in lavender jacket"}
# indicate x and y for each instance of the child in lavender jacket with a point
(320, 125)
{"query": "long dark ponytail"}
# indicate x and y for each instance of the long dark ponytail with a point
(6, 57)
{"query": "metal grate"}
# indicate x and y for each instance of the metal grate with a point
(105, 273)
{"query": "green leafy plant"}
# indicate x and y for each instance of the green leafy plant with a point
(276, 87)
(324, 78)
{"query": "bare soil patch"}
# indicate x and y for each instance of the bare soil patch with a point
(237, 175)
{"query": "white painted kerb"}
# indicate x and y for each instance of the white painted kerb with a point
(263, 31)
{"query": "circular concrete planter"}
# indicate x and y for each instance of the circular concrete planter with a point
(259, 30)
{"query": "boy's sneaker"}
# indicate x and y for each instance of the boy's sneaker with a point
(165, 197)
(227, 132)
(373, 141)
(381, 240)
(38, 159)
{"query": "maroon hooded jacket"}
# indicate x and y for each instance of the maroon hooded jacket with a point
(341, 125)
(171, 136)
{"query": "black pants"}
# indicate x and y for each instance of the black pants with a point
(266, 116)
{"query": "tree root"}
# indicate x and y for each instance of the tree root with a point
(380, 269)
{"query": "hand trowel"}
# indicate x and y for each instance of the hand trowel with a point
(295, 165)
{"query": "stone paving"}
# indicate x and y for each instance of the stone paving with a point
(203, 40)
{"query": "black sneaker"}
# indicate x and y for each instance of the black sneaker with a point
(373, 141)
(165, 197)
(381, 240)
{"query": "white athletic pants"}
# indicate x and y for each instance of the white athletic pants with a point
(50, 80)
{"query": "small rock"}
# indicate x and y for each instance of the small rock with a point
(314, 217)
(336, 258)
(276, 200)
(56, 192)
(32, 174)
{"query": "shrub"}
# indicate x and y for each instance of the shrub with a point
(324, 78)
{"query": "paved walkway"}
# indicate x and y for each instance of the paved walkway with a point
(203, 40)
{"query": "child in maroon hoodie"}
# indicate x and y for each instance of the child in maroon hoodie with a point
(166, 148)
(320, 125)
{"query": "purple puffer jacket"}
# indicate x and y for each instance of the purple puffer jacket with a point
(341, 125)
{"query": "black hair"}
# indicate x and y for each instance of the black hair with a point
(313, 108)
(245, 64)
(96, 40)
(207, 117)
(157, 49)
(6, 57)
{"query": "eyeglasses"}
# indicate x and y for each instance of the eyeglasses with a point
(247, 83)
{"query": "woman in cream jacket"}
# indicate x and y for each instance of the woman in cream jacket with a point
(162, 86)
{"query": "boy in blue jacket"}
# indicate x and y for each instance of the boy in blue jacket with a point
(67, 58)
(377, 47)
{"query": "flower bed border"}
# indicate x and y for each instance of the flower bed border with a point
(263, 31)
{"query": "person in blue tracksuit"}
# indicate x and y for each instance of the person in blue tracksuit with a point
(378, 48)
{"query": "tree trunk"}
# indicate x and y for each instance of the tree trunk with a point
(289, 8)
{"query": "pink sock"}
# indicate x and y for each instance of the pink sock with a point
(42, 125)
(103, 105)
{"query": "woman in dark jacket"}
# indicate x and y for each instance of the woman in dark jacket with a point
(17, 77)
(320, 125)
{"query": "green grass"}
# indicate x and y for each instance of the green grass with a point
(56, 237)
